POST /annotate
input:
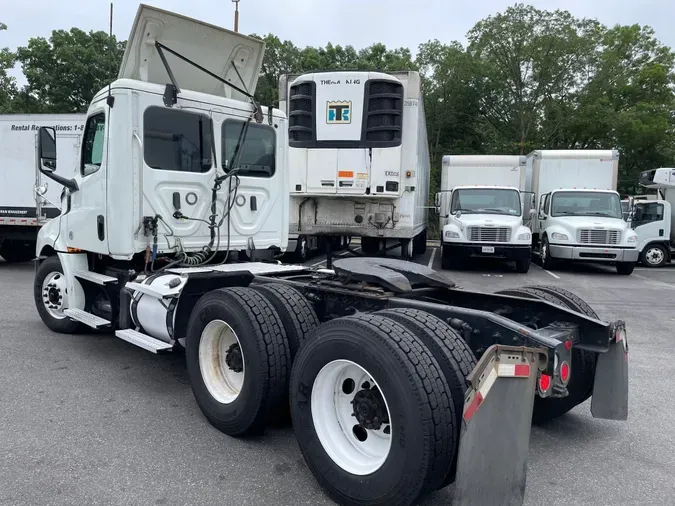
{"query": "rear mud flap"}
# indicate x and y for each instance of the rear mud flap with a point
(610, 388)
(495, 433)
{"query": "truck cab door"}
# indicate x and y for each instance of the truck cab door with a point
(86, 222)
(542, 214)
(261, 202)
(648, 221)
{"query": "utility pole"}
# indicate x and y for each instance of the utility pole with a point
(236, 15)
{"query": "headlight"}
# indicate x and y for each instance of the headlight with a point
(632, 238)
(559, 237)
(451, 235)
(524, 237)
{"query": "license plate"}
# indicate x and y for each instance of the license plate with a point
(488, 249)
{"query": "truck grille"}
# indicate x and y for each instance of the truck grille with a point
(490, 234)
(301, 119)
(589, 236)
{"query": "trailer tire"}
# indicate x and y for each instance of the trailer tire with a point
(296, 312)
(452, 353)
(238, 406)
(17, 251)
(414, 392)
(580, 387)
(50, 272)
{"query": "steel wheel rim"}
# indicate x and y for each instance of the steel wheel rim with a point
(354, 448)
(55, 295)
(654, 256)
(222, 372)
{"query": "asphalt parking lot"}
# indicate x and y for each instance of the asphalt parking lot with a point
(90, 419)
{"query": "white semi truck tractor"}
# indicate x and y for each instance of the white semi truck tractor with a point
(484, 211)
(398, 383)
(580, 217)
(358, 158)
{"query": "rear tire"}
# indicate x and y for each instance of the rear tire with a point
(580, 387)
(51, 296)
(414, 392)
(263, 358)
(452, 353)
(296, 312)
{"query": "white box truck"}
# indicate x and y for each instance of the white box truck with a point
(652, 218)
(483, 209)
(580, 216)
(358, 157)
(395, 379)
(26, 198)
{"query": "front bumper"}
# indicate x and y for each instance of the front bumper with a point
(593, 253)
(488, 250)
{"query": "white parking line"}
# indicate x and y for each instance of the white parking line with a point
(431, 260)
(548, 272)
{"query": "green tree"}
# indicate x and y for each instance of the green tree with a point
(280, 57)
(7, 83)
(66, 71)
(525, 59)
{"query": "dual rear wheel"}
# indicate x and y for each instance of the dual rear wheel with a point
(375, 399)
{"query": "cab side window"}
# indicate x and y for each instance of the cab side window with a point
(257, 155)
(92, 144)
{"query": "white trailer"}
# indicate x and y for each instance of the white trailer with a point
(652, 218)
(26, 200)
(580, 216)
(483, 211)
(359, 157)
(393, 377)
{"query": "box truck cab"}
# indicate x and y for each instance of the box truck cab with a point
(580, 217)
(478, 219)
(651, 219)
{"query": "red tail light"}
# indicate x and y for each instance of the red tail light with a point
(544, 383)
(564, 372)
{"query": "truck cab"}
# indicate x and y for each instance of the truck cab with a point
(177, 173)
(652, 219)
(585, 225)
(485, 221)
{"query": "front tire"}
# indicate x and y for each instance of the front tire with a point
(238, 360)
(547, 261)
(625, 268)
(654, 255)
(50, 292)
(374, 368)
(523, 265)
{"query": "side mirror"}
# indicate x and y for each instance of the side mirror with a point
(47, 149)
(458, 214)
(47, 158)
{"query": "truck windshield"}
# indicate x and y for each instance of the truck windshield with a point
(486, 201)
(602, 204)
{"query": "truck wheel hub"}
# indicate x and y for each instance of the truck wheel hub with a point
(233, 358)
(370, 409)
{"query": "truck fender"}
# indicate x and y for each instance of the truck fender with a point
(72, 263)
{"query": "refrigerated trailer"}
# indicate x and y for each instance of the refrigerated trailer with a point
(484, 211)
(580, 217)
(358, 157)
(398, 383)
(27, 200)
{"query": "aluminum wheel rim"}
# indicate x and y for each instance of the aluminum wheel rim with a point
(654, 256)
(54, 294)
(336, 426)
(218, 342)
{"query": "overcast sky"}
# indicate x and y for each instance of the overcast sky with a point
(357, 22)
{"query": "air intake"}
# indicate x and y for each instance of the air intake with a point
(384, 113)
(301, 118)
